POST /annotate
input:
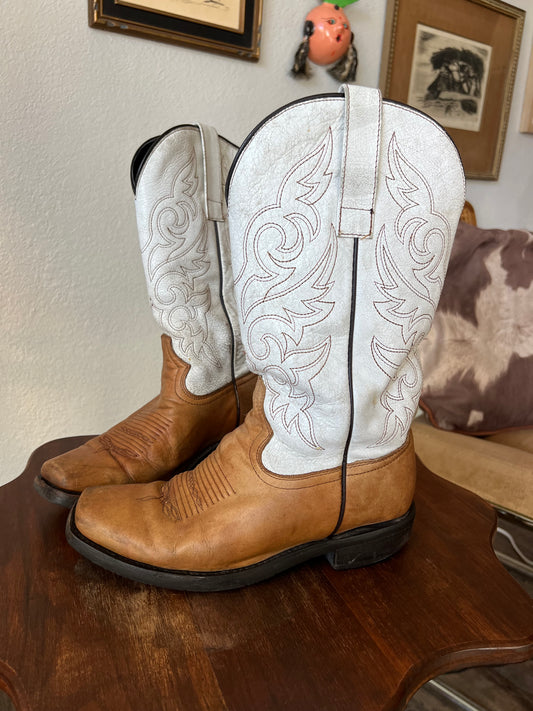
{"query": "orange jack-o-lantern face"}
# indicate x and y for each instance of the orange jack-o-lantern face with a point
(331, 36)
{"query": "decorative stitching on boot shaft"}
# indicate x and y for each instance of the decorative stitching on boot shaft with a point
(275, 249)
(177, 260)
(315, 478)
(179, 385)
(422, 236)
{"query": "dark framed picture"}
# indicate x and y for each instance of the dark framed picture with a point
(456, 61)
(228, 26)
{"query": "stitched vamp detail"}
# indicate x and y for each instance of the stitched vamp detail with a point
(194, 491)
(136, 435)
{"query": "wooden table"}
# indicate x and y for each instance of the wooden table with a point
(74, 637)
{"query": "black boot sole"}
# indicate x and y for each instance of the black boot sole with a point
(67, 498)
(356, 548)
(54, 494)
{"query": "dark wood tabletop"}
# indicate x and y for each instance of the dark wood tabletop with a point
(74, 637)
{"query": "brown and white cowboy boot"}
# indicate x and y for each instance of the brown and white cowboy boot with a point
(206, 388)
(340, 238)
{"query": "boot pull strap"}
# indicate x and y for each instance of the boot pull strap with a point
(360, 154)
(213, 190)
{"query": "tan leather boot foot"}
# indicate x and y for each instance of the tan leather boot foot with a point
(230, 522)
(170, 433)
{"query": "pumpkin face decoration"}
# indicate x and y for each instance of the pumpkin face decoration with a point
(331, 35)
(328, 39)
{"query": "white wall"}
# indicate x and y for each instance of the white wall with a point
(79, 347)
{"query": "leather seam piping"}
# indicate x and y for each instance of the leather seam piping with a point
(342, 507)
(269, 477)
(226, 314)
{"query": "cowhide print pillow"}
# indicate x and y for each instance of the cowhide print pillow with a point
(477, 360)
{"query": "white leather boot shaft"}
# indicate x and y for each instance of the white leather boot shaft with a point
(181, 218)
(322, 185)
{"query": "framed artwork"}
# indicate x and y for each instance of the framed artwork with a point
(456, 61)
(526, 122)
(228, 26)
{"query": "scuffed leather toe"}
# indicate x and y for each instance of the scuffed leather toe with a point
(88, 465)
(120, 518)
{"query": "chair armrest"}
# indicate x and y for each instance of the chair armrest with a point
(500, 474)
(521, 439)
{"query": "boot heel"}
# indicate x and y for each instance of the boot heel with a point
(371, 544)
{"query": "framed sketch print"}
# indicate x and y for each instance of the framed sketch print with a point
(227, 26)
(456, 61)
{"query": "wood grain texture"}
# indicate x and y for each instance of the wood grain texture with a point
(73, 636)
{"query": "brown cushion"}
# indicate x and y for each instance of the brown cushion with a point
(477, 360)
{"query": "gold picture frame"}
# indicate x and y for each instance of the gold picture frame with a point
(226, 26)
(526, 121)
(456, 60)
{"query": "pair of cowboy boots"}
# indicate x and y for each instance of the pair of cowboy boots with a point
(341, 213)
